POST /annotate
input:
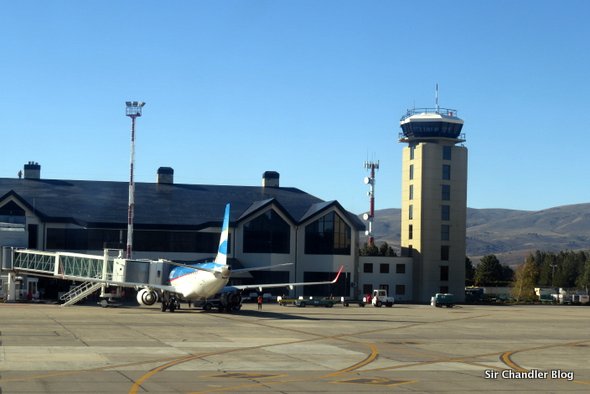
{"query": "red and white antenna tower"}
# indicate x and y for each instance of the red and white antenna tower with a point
(133, 110)
(370, 180)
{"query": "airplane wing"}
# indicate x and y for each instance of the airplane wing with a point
(290, 285)
(259, 268)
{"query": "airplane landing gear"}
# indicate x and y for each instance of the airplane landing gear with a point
(169, 303)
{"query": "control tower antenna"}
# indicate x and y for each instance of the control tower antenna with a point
(133, 110)
(370, 180)
(436, 98)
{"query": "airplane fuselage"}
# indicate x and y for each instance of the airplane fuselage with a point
(206, 280)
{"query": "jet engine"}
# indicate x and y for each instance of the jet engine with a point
(231, 301)
(147, 297)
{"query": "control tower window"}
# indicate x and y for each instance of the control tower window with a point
(444, 252)
(447, 152)
(446, 172)
(444, 273)
(445, 231)
(411, 171)
(445, 192)
(445, 212)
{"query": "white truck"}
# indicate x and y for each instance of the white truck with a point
(380, 298)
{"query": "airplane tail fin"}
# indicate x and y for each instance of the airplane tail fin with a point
(221, 257)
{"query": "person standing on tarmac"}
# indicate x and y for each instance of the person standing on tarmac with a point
(260, 302)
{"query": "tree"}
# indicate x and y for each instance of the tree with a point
(469, 272)
(584, 278)
(373, 250)
(546, 268)
(488, 271)
(525, 277)
(369, 250)
(386, 250)
(507, 273)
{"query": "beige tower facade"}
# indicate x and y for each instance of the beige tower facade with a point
(434, 201)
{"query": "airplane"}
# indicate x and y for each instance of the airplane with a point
(205, 280)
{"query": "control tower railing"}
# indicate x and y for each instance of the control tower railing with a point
(403, 137)
(440, 111)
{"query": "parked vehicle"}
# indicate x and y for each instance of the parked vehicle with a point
(380, 298)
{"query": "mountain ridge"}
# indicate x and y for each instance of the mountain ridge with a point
(510, 234)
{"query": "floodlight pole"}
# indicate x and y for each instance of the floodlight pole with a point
(133, 110)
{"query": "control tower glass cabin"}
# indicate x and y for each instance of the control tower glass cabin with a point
(434, 201)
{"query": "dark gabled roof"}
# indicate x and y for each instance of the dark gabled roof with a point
(324, 205)
(260, 205)
(104, 203)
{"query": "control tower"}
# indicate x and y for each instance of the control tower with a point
(434, 201)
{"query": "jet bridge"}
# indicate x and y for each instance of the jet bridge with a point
(94, 271)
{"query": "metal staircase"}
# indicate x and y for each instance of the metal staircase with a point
(80, 292)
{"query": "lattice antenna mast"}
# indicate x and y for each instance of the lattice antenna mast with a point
(133, 110)
(370, 180)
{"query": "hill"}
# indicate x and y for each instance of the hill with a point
(509, 234)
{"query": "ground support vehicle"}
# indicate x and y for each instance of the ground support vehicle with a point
(380, 298)
(218, 304)
(328, 303)
(349, 301)
(286, 301)
(443, 299)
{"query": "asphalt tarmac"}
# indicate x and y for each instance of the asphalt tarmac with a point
(407, 348)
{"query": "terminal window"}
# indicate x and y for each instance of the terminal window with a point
(368, 267)
(400, 290)
(384, 268)
(328, 235)
(411, 171)
(400, 268)
(267, 233)
(12, 217)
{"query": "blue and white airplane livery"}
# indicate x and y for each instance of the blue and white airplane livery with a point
(202, 281)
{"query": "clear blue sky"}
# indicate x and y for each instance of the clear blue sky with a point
(310, 89)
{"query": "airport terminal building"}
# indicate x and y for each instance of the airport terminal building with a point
(269, 225)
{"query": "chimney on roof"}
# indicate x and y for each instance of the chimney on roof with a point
(32, 170)
(166, 175)
(270, 179)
